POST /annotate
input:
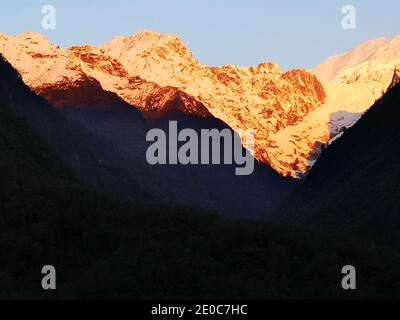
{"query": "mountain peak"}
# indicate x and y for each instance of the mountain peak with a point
(381, 49)
(150, 34)
(147, 38)
(267, 68)
(136, 48)
(33, 36)
(24, 40)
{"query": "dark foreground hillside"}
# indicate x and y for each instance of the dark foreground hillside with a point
(107, 146)
(354, 187)
(105, 249)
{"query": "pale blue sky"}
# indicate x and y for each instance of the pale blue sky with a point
(290, 33)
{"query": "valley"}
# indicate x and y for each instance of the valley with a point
(169, 152)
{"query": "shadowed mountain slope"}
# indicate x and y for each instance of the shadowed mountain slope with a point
(354, 187)
(105, 145)
(107, 250)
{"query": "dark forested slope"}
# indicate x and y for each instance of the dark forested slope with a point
(354, 187)
(105, 249)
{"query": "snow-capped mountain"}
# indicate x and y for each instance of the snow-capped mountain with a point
(353, 82)
(292, 113)
(381, 50)
(153, 71)
(54, 73)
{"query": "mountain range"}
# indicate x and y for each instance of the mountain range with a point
(292, 113)
(77, 190)
(105, 248)
(154, 78)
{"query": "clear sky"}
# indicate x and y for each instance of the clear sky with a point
(290, 33)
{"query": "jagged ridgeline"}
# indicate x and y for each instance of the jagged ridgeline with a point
(157, 74)
(292, 112)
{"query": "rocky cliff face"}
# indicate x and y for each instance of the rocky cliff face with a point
(260, 98)
(353, 82)
(158, 75)
(396, 79)
(291, 113)
(83, 76)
